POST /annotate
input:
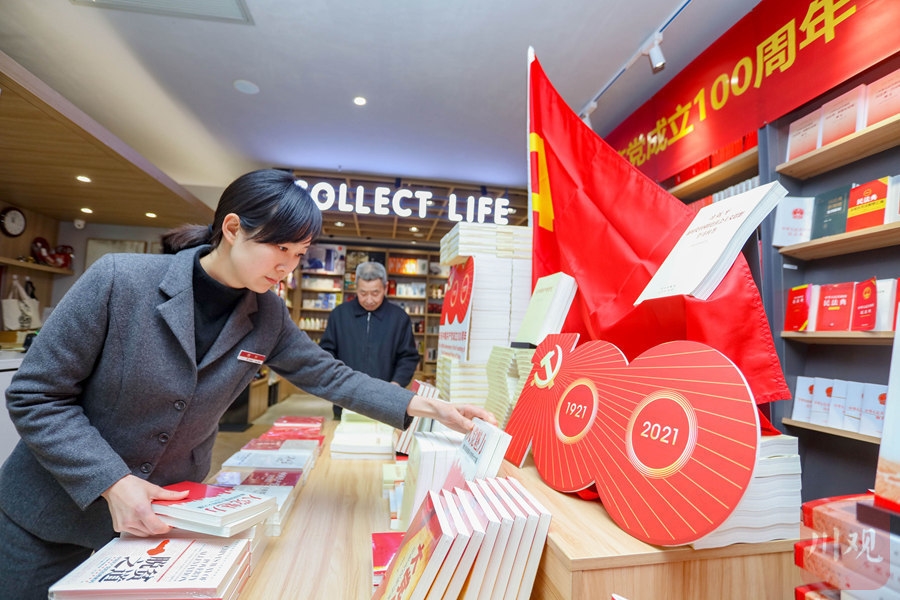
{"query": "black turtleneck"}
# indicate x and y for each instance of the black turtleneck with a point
(213, 303)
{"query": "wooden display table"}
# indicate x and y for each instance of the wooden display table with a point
(324, 550)
(588, 557)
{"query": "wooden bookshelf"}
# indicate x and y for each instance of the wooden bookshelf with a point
(871, 140)
(880, 236)
(742, 166)
(13, 262)
(832, 431)
(845, 338)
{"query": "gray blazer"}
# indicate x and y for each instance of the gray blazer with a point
(111, 386)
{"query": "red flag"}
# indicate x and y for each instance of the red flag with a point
(599, 219)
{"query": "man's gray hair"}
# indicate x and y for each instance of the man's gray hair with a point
(370, 271)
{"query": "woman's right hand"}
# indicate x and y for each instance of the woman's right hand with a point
(129, 505)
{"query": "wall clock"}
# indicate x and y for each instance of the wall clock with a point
(12, 221)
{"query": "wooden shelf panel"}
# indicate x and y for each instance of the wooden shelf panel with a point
(832, 431)
(844, 338)
(13, 262)
(871, 140)
(881, 236)
(742, 166)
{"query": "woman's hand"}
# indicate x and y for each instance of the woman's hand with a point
(457, 417)
(129, 504)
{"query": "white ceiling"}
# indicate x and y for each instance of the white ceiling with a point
(445, 81)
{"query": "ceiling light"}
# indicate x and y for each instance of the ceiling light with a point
(150, 215)
(87, 211)
(414, 229)
(246, 87)
(83, 178)
(359, 101)
(429, 203)
(657, 60)
(418, 235)
(511, 210)
(339, 224)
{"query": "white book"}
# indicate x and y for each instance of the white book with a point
(267, 459)
(492, 526)
(521, 535)
(871, 419)
(504, 537)
(853, 406)
(803, 399)
(892, 207)
(793, 221)
(814, 293)
(478, 523)
(776, 445)
(457, 548)
(155, 569)
(838, 402)
(550, 303)
(706, 250)
(885, 303)
(821, 402)
(540, 540)
(479, 455)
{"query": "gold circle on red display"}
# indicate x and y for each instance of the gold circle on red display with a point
(661, 434)
(576, 411)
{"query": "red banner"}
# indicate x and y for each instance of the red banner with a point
(781, 55)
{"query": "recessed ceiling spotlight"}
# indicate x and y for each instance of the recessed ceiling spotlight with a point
(429, 203)
(418, 235)
(150, 215)
(87, 211)
(412, 241)
(414, 229)
(511, 210)
(83, 178)
(339, 224)
(246, 87)
(359, 101)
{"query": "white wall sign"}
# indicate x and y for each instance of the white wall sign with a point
(406, 203)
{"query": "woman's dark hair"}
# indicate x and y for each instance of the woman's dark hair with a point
(273, 209)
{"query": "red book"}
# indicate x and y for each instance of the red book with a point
(273, 477)
(883, 98)
(796, 314)
(835, 306)
(384, 546)
(865, 294)
(816, 591)
(263, 444)
(298, 422)
(867, 204)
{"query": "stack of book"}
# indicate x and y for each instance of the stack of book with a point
(770, 506)
(403, 439)
(275, 460)
(160, 568)
(361, 438)
(849, 405)
(507, 371)
(847, 553)
(214, 510)
(483, 540)
(464, 381)
(282, 485)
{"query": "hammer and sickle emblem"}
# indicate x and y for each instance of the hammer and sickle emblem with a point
(550, 369)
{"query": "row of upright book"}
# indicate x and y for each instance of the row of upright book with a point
(852, 111)
(869, 305)
(846, 208)
(848, 405)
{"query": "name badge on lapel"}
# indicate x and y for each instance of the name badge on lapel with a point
(252, 357)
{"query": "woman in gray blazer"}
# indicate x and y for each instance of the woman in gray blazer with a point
(122, 390)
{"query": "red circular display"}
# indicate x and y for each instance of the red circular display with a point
(576, 411)
(661, 434)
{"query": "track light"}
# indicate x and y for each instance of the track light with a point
(654, 53)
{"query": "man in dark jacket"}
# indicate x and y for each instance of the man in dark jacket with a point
(371, 335)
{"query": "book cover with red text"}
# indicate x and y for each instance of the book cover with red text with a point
(867, 204)
(835, 306)
(213, 505)
(796, 312)
(865, 303)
